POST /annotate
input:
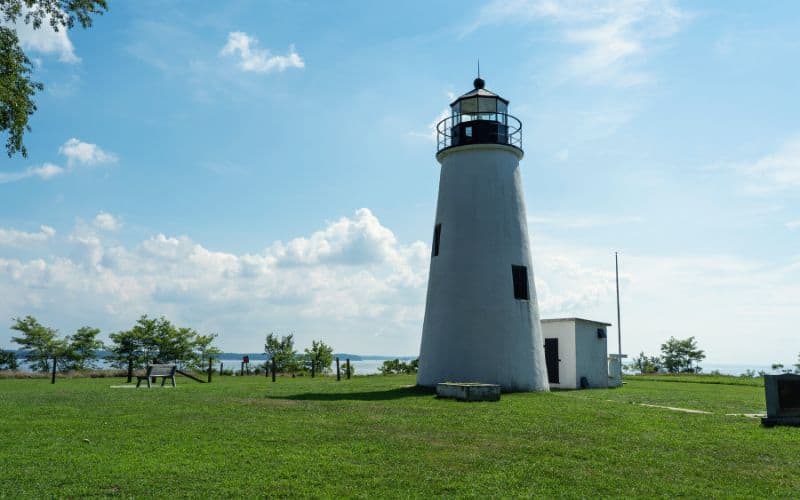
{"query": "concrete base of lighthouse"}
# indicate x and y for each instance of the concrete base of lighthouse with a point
(475, 328)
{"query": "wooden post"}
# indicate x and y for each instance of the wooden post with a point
(53, 378)
(130, 369)
(347, 364)
(338, 373)
(313, 363)
(273, 369)
(209, 369)
(220, 368)
(242, 371)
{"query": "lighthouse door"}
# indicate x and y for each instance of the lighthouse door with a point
(551, 358)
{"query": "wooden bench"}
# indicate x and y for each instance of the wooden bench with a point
(153, 371)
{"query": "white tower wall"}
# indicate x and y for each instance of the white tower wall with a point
(474, 329)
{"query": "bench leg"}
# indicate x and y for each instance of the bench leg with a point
(173, 381)
(163, 381)
(138, 381)
(148, 382)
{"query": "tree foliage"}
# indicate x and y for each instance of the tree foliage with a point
(17, 88)
(281, 349)
(679, 355)
(396, 367)
(8, 360)
(39, 342)
(319, 356)
(158, 340)
(647, 364)
(81, 351)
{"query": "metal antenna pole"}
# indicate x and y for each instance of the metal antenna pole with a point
(479, 67)
(619, 321)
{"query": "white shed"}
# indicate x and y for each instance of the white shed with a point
(576, 349)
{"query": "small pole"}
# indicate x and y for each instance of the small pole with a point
(347, 364)
(53, 378)
(338, 374)
(619, 321)
(273, 369)
(313, 365)
(130, 369)
(209, 370)
(242, 371)
(220, 368)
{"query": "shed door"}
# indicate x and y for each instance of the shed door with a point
(551, 358)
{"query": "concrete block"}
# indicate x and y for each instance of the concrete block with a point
(468, 391)
(782, 393)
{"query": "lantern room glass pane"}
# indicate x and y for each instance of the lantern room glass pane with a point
(502, 107)
(469, 106)
(487, 105)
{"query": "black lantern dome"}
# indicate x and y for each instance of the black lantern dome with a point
(479, 117)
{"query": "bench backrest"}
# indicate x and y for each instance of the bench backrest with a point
(161, 370)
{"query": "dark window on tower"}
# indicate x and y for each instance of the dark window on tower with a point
(437, 233)
(520, 275)
(601, 333)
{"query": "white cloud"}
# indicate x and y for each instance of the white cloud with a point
(252, 58)
(46, 41)
(353, 284)
(45, 172)
(342, 283)
(793, 224)
(776, 171)
(78, 152)
(106, 222)
(613, 37)
(13, 237)
(562, 155)
(431, 133)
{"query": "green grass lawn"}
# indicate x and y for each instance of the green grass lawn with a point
(377, 436)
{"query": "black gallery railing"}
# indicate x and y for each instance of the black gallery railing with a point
(478, 128)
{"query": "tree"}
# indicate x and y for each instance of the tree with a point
(678, 355)
(646, 364)
(128, 351)
(282, 351)
(319, 356)
(797, 366)
(39, 342)
(204, 350)
(17, 88)
(777, 367)
(8, 360)
(396, 367)
(82, 349)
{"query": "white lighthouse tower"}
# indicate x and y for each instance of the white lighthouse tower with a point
(481, 314)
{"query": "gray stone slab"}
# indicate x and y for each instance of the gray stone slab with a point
(782, 393)
(468, 391)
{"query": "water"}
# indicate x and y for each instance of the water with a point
(362, 367)
(370, 366)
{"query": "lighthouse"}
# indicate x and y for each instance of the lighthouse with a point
(481, 314)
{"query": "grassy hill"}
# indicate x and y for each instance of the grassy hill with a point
(377, 436)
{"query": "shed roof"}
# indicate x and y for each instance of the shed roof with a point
(553, 320)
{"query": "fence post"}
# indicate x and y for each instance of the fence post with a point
(209, 370)
(338, 373)
(273, 369)
(55, 362)
(347, 364)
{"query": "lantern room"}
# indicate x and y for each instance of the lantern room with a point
(479, 117)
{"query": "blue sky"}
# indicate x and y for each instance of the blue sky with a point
(247, 167)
